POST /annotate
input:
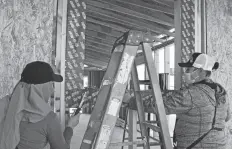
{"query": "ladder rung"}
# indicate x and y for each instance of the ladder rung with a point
(153, 122)
(128, 143)
(145, 82)
(153, 127)
(140, 137)
(150, 144)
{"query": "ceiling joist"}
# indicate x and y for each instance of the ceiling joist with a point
(92, 62)
(128, 22)
(111, 41)
(151, 6)
(162, 17)
(114, 7)
(103, 32)
(89, 47)
(99, 35)
(99, 43)
(98, 48)
(96, 54)
(163, 2)
(116, 27)
(99, 28)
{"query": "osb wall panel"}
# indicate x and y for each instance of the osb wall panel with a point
(25, 36)
(219, 41)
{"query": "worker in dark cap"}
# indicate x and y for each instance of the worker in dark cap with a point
(202, 106)
(29, 121)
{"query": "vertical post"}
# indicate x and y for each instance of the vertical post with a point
(75, 48)
(167, 63)
(132, 135)
(200, 26)
(185, 35)
(178, 53)
(62, 63)
(156, 59)
(54, 42)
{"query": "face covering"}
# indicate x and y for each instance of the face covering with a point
(191, 77)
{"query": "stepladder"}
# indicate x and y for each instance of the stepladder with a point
(110, 97)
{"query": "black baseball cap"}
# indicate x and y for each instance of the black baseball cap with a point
(39, 72)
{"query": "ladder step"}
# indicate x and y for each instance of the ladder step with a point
(153, 127)
(153, 122)
(139, 137)
(157, 140)
(139, 143)
(128, 143)
(145, 82)
(151, 144)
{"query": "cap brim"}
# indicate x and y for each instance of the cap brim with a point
(57, 78)
(185, 64)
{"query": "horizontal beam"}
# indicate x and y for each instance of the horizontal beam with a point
(164, 44)
(140, 59)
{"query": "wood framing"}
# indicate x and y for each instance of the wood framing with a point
(178, 52)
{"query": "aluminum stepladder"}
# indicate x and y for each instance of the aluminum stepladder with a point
(105, 113)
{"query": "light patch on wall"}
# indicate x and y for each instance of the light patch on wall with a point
(25, 36)
(219, 39)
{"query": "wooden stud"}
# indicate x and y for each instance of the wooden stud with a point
(62, 69)
(178, 52)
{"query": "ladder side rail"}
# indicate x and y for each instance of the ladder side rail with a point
(157, 96)
(140, 108)
(102, 99)
(116, 97)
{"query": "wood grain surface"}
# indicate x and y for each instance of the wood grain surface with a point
(219, 44)
(25, 36)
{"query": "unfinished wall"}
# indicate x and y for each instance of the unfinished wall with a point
(219, 41)
(25, 35)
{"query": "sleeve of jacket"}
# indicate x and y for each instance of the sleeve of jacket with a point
(175, 102)
(178, 101)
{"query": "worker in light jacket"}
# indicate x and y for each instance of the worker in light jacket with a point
(202, 107)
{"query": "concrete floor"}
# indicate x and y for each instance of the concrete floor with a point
(80, 130)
